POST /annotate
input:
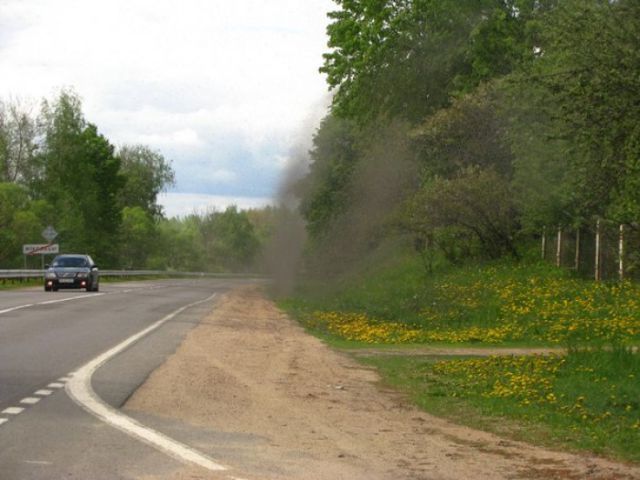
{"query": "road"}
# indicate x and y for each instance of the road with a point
(46, 337)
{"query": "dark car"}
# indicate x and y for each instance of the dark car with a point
(72, 271)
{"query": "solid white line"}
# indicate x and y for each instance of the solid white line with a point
(80, 390)
(12, 309)
(13, 410)
(30, 400)
(43, 392)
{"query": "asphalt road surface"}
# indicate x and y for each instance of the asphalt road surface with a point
(46, 337)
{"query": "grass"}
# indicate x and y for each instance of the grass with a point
(587, 400)
(11, 284)
(501, 303)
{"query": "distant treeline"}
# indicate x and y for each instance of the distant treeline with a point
(467, 125)
(57, 169)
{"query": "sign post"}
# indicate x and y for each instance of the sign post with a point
(49, 234)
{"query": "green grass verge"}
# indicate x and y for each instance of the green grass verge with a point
(588, 400)
(503, 303)
(11, 284)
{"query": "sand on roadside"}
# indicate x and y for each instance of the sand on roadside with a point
(308, 412)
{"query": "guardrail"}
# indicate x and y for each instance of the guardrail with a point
(29, 274)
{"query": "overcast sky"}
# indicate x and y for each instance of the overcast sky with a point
(225, 89)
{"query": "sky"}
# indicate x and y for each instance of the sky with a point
(225, 89)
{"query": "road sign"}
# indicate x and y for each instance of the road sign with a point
(49, 234)
(40, 249)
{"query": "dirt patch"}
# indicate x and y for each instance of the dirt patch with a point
(294, 409)
(453, 351)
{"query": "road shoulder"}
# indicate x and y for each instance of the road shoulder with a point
(276, 403)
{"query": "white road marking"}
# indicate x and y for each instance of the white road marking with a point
(67, 299)
(30, 400)
(44, 392)
(80, 390)
(49, 302)
(37, 462)
(13, 410)
(3, 420)
(56, 385)
(64, 379)
(60, 300)
(12, 309)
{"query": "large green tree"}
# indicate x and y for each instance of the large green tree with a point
(147, 173)
(589, 66)
(81, 178)
(17, 143)
(408, 57)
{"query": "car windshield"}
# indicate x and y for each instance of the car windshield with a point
(70, 262)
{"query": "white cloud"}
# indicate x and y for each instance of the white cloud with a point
(210, 84)
(183, 204)
(186, 137)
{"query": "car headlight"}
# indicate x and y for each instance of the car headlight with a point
(81, 275)
(50, 275)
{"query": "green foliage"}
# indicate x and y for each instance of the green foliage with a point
(137, 237)
(147, 173)
(105, 203)
(228, 238)
(586, 400)
(408, 57)
(81, 179)
(469, 133)
(17, 143)
(591, 56)
(476, 202)
(503, 302)
(326, 189)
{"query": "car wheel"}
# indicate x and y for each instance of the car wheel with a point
(47, 289)
(96, 288)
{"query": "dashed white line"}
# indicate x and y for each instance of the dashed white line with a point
(80, 390)
(13, 410)
(3, 420)
(79, 297)
(43, 392)
(64, 379)
(55, 385)
(30, 400)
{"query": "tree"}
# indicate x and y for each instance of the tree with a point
(408, 57)
(147, 173)
(469, 133)
(21, 222)
(326, 189)
(589, 69)
(229, 239)
(17, 143)
(81, 178)
(476, 202)
(137, 237)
